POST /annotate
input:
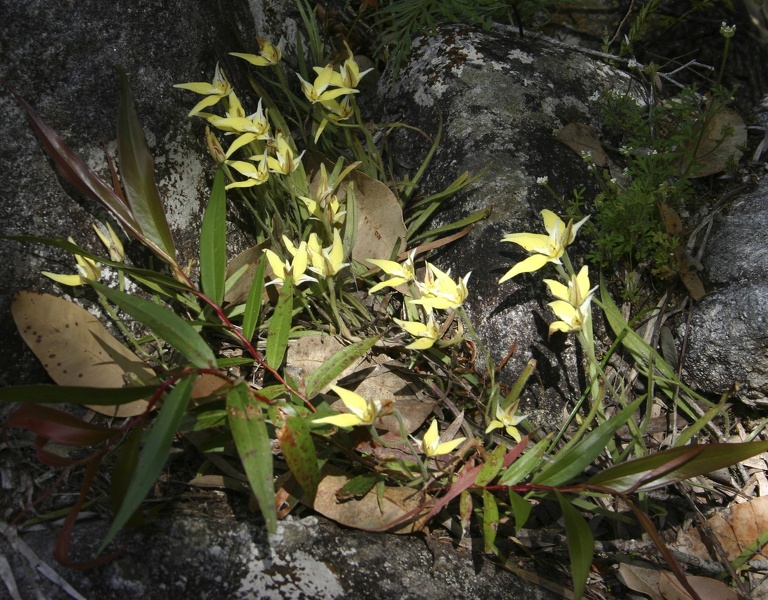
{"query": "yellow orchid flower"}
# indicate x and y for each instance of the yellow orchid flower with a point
(362, 411)
(349, 74)
(546, 248)
(431, 446)
(508, 420)
(297, 267)
(401, 272)
(336, 111)
(326, 261)
(284, 161)
(573, 306)
(87, 270)
(426, 334)
(214, 147)
(112, 243)
(253, 127)
(216, 90)
(318, 90)
(439, 291)
(256, 173)
(268, 55)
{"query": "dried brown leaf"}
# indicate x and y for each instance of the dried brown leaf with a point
(76, 349)
(583, 138)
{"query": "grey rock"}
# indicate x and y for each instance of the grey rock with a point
(729, 329)
(203, 557)
(500, 97)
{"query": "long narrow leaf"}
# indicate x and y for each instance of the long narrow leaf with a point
(339, 361)
(249, 430)
(253, 303)
(154, 454)
(58, 426)
(213, 242)
(704, 458)
(299, 450)
(166, 324)
(137, 169)
(57, 394)
(280, 324)
(490, 521)
(581, 545)
(74, 170)
(570, 464)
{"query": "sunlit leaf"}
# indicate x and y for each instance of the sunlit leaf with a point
(253, 303)
(213, 242)
(490, 521)
(525, 465)
(300, 454)
(153, 455)
(567, 465)
(166, 324)
(137, 170)
(249, 430)
(280, 324)
(654, 471)
(492, 466)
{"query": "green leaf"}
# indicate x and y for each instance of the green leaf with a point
(154, 454)
(490, 521)
(165, 324)
(300, 454)
(521, 509)
(569, 464)
(253, 303)
(525, 465)
(358, 486)
(581, 545)
(280, 324)
(75, 171)
(676, 464)
(213, 242)
(249, 430)
(137, 170)
(492, 466)
(56, 394)
(339, 361)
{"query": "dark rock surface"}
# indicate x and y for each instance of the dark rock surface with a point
(729, 328)
(202, 557)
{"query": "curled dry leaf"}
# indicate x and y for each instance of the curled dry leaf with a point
(583, 138)
(76, 349)
(737, 528)
(722, 139)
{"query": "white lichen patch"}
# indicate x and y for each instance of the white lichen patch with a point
(292, 574)
(523, 57)
(180, 185)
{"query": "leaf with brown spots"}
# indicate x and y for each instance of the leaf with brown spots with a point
(76, 349)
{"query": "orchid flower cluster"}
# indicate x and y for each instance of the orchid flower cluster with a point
(436, 291)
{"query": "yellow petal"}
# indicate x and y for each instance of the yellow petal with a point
(557, 289)
(533, 242)
(530, 264)
(341, 420)
(73, 280)
(447, 447)
(354, 402)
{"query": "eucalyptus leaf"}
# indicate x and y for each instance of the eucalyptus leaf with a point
(213, 242)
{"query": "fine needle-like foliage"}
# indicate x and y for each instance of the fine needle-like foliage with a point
(330, 363)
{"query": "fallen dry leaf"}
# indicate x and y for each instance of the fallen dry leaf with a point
(367, 512)
(641, 579)
(583, 138)
(76, 349)
(706, 587)
(736, 528)
(715, 149)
